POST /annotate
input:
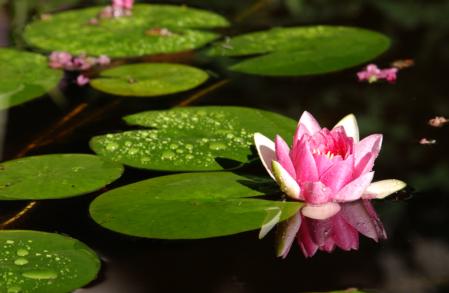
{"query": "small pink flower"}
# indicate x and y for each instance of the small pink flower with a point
(59, 59)
(425, 141)
(326, 169)
(103, 60)
(82, 80)
(372, 73)
(438, 121)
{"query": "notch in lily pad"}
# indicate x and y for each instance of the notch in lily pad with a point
(191, 139)
(55, 176)
(190, 206)
(297, 51)
(33, 261)
(24, 77)
(149, 79)
(127, 36)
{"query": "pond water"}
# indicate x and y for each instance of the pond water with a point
(414, 258)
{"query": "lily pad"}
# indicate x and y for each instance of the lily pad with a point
(188, 206)
(299, 51)
(24, 76)
(191, 139)
(55, 176)
(151, 79)
(128, 35)
(32, 261)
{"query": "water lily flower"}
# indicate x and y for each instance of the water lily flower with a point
(438, 121)
(60, 59)
(372, 73)
(326, 169)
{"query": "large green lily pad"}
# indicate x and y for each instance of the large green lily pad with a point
(24, 76)
(125, 36)
(150, 79)
(192, 139)
(55, 176)
(298, 51)
(40, 262)
(189, 206)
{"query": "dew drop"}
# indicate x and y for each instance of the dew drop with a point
(217, 146)
(10, 241)
(22, 252)
(14, 290)
(40, 275)
(168, 155)
(111, 146)
(21, 261)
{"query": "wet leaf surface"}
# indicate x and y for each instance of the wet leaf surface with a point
(189, 206)
(299, 51)
(32, 261)
(147, 80)
(55, 176)
(24, 76)
(125, 36)
(192, 139)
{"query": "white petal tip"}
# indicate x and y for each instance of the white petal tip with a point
(320, 212)
(349, 123)
(287, 183)
(384, 188)
(266, 150)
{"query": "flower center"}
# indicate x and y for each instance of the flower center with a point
(328, 154)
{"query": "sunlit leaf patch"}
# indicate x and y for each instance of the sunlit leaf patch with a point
(191, 139)
(151, 79)
(189, 206)
(297, 51)
(24, 76)
(55, 176)
(32, 261)
(125, 36)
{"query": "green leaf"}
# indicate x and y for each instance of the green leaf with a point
(55, 176)
(188, 206)
(125, 36)
(192, 139)
(299, 51)
(151, 79)
(24, 76)
(34, 261)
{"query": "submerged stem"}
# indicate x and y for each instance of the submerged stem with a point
(18, 215)
(196, 96)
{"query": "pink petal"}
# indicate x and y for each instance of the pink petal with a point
(349, 123)
(344, 235)
(365, 165)
(265, 149)
(309, 122)
(354, 189)
(323, 163)
(304, 162)
(286, 182)
(316, 192)
(328, 245)
(286, 234)
(370, 144)
(283, 155)
(305, 241)
(384, 188)
(320, 212)
(363, 219)
(339, 174)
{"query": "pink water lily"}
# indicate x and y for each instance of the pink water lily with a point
(325, 167)
(331, 172)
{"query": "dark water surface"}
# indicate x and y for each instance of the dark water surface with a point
(415, 258)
